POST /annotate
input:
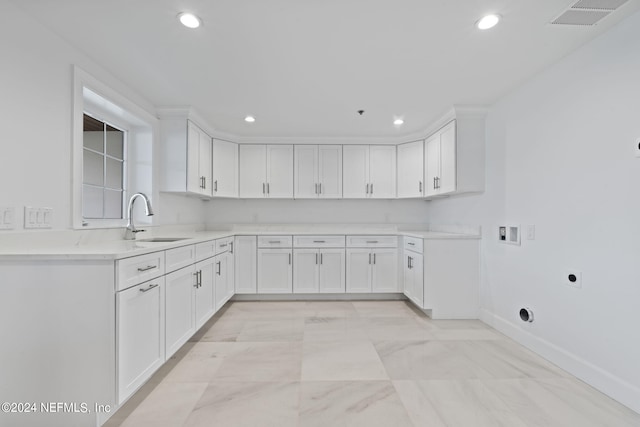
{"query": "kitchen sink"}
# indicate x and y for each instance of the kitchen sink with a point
(162, 239)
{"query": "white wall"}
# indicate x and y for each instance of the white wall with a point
(221, 211)
(561, 156)
(35, 110)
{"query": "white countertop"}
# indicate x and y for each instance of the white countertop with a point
(112, 249)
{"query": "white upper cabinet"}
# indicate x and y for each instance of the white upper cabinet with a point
(411, 169)
(369, 171)
(440, 161)
(266, 171)
(225, 169)
(318, 171)
(186, 156)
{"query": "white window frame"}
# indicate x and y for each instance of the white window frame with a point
(94, 97)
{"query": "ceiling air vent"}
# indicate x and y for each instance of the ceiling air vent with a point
(588, 12)
(599, 4)
(580, 17)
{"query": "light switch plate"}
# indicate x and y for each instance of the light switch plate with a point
(7, 218)
(37, 217)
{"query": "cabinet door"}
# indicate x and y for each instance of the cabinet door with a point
(330, 171)
(382, 171)
(306, 263)
(447, 182)
(384, 277)
(140, 335)
(417, 269)
(431, 164)
(280, 171)
(204, 293)
(306, 172)
(246, 265)
(225, 169)
(411, 169)
(253, 171)
(355, 167)
(230, 273)
(274, 271)
(196, 142)
(205, 164)
(407, 276)
(179, 303)
(221, 274)
(358, 270)
(332, 271)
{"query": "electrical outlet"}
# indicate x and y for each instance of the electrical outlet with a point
(573, 278)
(7, 218)
(531, 232)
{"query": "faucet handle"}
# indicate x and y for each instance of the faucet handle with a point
(137, 231)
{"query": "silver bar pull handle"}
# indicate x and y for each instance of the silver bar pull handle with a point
(320, 188)
(420, 185)
(372, 241)
(147, 268)
(369, 258)
(319, 241)
(215, 186)
(197, 274)
(223, 245)
(148, 288)
(267, 188)
(204, 182)
(374, 258)
(372, 188)
(231, 249)
(316, 188)
(367, 188)
(316, 259)
(321, 258)
(219, 268)
(199, 278)
(408, 262)
(274, 241)
(411, 244)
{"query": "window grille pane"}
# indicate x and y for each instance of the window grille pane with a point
(93, 168)
(113, 204)
(93, 140)
(92, 201)
(114, 174)
(115, 142)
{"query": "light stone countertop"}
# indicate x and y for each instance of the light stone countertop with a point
(114, 249)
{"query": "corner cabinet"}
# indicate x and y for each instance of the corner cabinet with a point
(225, 169)
(440, 161)
(411, 169)
(369, 171)
(266, 171)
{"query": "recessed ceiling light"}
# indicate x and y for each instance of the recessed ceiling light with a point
(249, 119)
(189, 20)
(488, 21)
(398, 122)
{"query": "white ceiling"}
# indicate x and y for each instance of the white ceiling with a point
(304, 67)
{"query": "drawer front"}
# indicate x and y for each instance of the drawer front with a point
(205, 250)
(274, 241)
(413, 244)
(224, 245)
(318, 241)
(180, 257)
(372, 241)
(135, 270)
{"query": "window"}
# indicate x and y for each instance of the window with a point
(103, 164)
(112, 154)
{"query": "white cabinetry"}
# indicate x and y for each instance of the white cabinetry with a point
(370, 267)
(318, 264)
(225, 169)
(275, 260)
(204, 291)
(186, 151)
(318, 171)
(224, 273)
(411, 169)
(179, 308)
(440, 161)
(246, 264)
(266, 171)
(413, 274)
(140, 332)
(369, 171)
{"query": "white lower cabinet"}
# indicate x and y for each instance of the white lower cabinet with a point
(140, 333)
(275, 271)
(413, 275)
(318, 271)
(179, 308)
(204, 291)
(372, 270)
(246, 265)
(223, 278)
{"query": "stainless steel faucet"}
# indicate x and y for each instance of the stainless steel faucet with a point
(130, 234)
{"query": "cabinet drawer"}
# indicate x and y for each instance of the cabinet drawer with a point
(274, 241)
(318, 241)
(205, 250)
(372, 241)
(224, 245)
(180, 257)
(413, 244)
(135, 270)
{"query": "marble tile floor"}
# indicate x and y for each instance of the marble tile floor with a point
(360, 363)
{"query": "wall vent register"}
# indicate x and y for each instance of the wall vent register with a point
(588, 12)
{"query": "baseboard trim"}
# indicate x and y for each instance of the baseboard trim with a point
(607, 383)
(318, 297)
